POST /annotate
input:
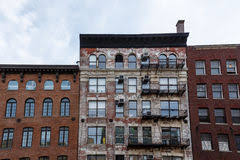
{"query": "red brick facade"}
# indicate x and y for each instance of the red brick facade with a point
(55, 121)
(208, 53)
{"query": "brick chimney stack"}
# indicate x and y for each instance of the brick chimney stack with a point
(180, 26)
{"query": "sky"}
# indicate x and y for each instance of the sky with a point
(47, 31)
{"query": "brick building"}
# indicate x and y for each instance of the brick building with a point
(39, 112)
(213, 80)
(133, 97)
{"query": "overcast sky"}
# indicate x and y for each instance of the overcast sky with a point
(47, 31)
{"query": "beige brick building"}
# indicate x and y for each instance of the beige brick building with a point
(133, 97)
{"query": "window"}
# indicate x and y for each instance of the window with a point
(132, 112)
(119, 109)
(133, 135)
(119, 62)
(146, 107)
(7, 138)
(63, 136)
(92, 61)
(12, 85)
(119, 157)
(237, 141)
(132, 62)
(217, 91)
(231, 67)
(206, 141)
(220, 115)
(147, 135)
(11, 108)
(119, 84)
(235, 115)
(29, 108)
(27, 137)
(96, 108)
(163, 61)
(96, 157)
(102, 62)
(43, 158)
(168, 84)
(171, 158)
(31, 85)
(62, 158)
(233, 91)
(65, 107)
(65, 85)
(132, 85)
(97, 85)
(24, 158)
(119, 135)
(47, 107)
(203, 115)
(172, 61)
(200, 67)
(134, 158)
(45, 136)
(215, 68)
(169, 108)
(223, 143)
(48, 85)
(170, 136)
(96, 135)
(148, 157)
(201, 91)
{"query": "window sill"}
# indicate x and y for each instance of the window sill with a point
(208, 150)
(204, 123)
(225, 124)
(238, 151)
(201, 98)
(236, 124)
(218, 98)
(226, 151)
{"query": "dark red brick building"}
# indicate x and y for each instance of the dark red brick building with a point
(213, 80)
(39, 112)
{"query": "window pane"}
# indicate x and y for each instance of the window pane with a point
(92, 61)
(206, 141)
(223, 143)
(231, 66)
(48, 85)
(12, 85)
(65, 85)
(200, 67)
(31, 85)
(102, 62)
(215, 67)
(132, 109)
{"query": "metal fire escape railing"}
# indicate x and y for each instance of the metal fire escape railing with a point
(164, 64)
(157, 142)
(158, 113)
(177, 89)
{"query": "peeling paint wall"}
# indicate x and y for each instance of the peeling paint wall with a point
(110, 149)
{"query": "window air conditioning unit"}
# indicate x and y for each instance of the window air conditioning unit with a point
(120, 79)
(121, 101)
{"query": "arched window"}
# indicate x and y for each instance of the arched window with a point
(12, 85)
(31, 85)
(102, 61)
(29, 108)
(132, 61)
(172, 61)
(92, 61)
(62, 157)
(47, 107)
(119, 61)
(48, 85)
(11, 108)
(65, 107)
(65, 85)
(163, 61)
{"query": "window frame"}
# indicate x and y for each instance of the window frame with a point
(132, 85)
(98, 110)
(171, 110)
(203, 68)
(92, 62)
(65, 87)
(48, 87)
(216, 90)
(43, 158)
(132, 108)
(97, 86)
(100, 62)
(119, 110)
(235, 119)
(8, 139)
(206, 141)
(202, 91)
(117, 84)
(12, 87)
(96, 157)
(118, 64)
(213, 68)
(62, 157)
(236, 92)
(146, 108)
(12, 109)
(235, 67)
(45, 140)
(32, 86)
(65, 107)
(63, 139)
(220, 119)
(29, 137)
(132, 62)
(119, 136)
(237, 142)
(206, 118)
(219, 142)
(46, 106)
(30, 103)
(96, 135)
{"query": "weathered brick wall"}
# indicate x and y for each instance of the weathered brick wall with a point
(110, 149)
(38, 121)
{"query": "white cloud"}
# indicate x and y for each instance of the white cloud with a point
(48, 31)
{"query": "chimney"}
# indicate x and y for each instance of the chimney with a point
(180, 26)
